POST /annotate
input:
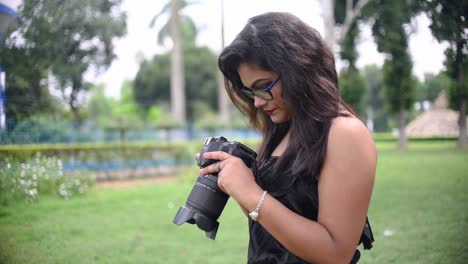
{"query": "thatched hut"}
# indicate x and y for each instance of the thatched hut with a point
(438, 121)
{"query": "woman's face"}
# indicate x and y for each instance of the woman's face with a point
(255, 78)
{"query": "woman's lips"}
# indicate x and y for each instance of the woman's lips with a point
(269, 112)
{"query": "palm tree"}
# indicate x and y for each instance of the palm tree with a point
(172, 29)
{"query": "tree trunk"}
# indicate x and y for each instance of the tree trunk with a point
(223, 102)
(223, 98)
(352, 12)
(402, 140)
(72, 103)
(177, 67)
(328, 7)
(328, 13)
(462, 136)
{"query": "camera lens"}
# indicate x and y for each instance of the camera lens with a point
(206, 196)
(206, 201)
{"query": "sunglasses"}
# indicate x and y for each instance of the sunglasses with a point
(263, 93)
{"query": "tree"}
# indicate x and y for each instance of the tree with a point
(449, 22)
(352, 84)
(375, 101)
(353, 89)
(66, 39)
(126, 114)
(152, 81)
(172, 29)
(224, 104)
(99, 107)
(432, 85)
(26, 93)
(352, 9)
(151, 84)
(392, 40)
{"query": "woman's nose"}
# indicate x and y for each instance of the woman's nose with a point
(259, 102)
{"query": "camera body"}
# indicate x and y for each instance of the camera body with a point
(206, 201)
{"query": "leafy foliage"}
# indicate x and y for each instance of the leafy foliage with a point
(457, 69)
(398, 83)
(152, 82)
(188, 27)
(389, 20)
(449, 22)
(353, 89)
(340, 10)
(432, 86)
(352, 85)
(26, 94)
(348, 50)
(392, 40)
(375, 100)
(64, 39)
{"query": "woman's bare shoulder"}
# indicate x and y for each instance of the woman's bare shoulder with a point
(349, 134)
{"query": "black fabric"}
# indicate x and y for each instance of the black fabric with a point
(263, 248)
(298, 192)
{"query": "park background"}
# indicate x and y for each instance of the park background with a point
(104, 103)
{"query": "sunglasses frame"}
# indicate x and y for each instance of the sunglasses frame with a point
(251, 93)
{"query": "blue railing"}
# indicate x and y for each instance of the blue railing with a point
(115, 165)
(49, 132)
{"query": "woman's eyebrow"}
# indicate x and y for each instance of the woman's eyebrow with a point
(253, 85)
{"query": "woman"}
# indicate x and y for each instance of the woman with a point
(309, 198)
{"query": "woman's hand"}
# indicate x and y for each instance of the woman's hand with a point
(234, 177)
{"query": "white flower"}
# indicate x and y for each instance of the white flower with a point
(63, 191)
(32, 192)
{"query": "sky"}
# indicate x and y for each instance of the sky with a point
(141, 40)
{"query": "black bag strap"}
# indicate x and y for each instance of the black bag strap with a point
(367, 237)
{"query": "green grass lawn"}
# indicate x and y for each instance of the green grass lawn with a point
(420, 195)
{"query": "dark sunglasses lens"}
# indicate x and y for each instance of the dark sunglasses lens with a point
(259, 93)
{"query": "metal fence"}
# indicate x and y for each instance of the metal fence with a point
(50, 132)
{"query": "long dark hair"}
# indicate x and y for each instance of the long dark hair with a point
(282, 43)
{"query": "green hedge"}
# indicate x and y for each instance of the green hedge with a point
(112, 151)
(107, 151)
(383, 137)
(95, 151)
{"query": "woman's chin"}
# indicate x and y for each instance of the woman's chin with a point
(278, 118)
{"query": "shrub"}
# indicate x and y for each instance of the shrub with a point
(39, 176)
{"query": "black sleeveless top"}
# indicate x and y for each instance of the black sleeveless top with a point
(298, 191)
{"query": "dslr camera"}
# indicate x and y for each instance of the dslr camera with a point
(206, 201)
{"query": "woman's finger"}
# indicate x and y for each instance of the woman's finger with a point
(217, 155)
(213, 168)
